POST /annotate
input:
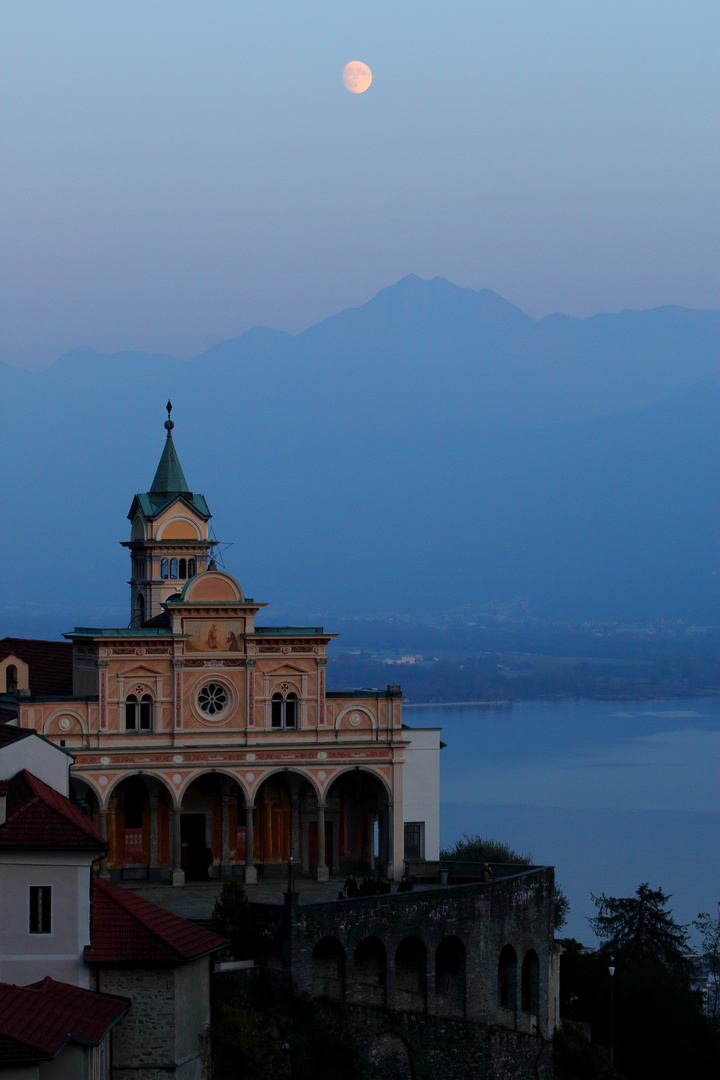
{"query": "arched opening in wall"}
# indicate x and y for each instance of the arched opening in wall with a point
(389, 1055)
(139, 829)
(356, 809)
(507, 978)
(191, 568)
(328, 969)
(182, 569)
(410, 974)
(173, 569)
(530, 983)
(11, 679)
(212, 828)
(286, 823)
(370, 972)
(164, 569)
(139, 615)
(450, 976)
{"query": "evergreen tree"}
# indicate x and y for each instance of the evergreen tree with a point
(638, 929)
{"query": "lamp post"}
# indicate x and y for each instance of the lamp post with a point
(611, 969)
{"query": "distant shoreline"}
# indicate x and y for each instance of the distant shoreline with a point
(441, 704)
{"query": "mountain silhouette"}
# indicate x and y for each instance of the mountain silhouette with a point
(435, 448)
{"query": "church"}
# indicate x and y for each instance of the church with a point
(205, 743)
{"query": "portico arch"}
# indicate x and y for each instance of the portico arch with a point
(358, 801)
(135, 815)
(290, 820)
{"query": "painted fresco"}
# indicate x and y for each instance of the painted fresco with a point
(214, 635)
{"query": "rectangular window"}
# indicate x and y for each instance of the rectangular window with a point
(414, 839)
(40, 909)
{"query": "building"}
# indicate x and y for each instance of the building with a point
(203, 739)
(93, 980)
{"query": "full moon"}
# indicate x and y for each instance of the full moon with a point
(357, 77)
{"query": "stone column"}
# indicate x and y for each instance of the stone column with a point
(154, 860)
(250, 871)
(391, 843)
(178, 874)
(103, 826)
(225, 869)
(294, 825)
(321, 872)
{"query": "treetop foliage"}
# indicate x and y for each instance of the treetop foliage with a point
(476, 849)
(638, 929)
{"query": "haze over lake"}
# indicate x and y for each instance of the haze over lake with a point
(610, 793)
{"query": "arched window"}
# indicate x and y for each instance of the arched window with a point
(164, 569)
(507, 978)
(173, 569)
(139, 610)
(283, 711)
(450, 969)
(138, 714)
(182, 569)
(11, 680)
(410, 966)
(191, 568)
(530, 983)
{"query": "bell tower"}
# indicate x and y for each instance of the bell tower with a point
(169, 536)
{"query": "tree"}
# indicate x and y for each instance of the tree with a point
(232, 918)
(710, 936)
(638, 929)
(480, 850)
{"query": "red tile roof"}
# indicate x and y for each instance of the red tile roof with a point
(37, 1020)
(10, 734)
(126, 929)
(37, 816)
(50, 663)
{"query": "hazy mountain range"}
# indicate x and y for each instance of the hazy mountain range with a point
(434, 449)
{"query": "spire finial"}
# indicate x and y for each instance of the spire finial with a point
(168, 423)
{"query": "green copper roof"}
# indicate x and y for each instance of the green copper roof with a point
(169, 482)
(169, 478)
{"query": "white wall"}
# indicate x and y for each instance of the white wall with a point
(26, 957)
(40, 757)
(421, 784)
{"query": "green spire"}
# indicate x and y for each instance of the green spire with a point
(169, 478)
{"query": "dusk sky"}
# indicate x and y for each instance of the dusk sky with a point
(176, 172)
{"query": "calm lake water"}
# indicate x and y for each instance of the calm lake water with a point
(610, 793)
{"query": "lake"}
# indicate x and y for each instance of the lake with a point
(610, 793)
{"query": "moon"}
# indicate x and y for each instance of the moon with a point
(357, 77)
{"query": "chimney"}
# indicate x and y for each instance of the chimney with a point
(4, 784)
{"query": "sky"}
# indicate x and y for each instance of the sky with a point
(176, 172)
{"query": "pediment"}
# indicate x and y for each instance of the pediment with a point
(287, 669)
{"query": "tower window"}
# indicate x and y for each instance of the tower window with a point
(191, 568)
(182, 566)
(283, 712)
(11, 679)
(138, 714)
(173, 569)
(164, 568)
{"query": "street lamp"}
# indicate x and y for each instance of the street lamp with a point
(611, 969)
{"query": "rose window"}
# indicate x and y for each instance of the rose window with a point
(213, 699)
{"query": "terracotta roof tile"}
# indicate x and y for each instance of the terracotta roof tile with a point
(40, 817)
(127, 929)
(37, 1020)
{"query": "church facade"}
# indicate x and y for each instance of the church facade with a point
(206, 743)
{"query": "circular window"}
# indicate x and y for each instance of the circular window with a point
(213, 699)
